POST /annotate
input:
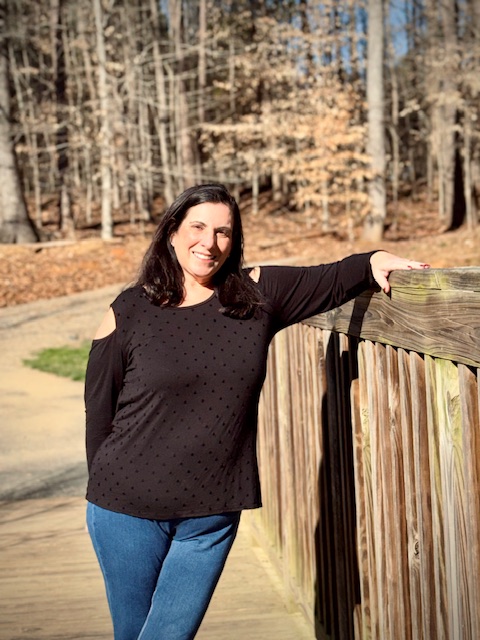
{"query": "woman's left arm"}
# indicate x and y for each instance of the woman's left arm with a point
(383, 263)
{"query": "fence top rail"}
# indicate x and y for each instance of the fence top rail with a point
(434, 312)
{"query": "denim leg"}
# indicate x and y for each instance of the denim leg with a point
(130, 552)
(189, 575)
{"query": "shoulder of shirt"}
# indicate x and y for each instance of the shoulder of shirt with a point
(127, 301)
(130, 294)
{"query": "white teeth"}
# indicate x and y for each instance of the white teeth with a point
(202, 256)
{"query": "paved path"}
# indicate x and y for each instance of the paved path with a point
(50, 584)
(41, 415)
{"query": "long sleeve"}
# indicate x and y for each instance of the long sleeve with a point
(103, 382)
(297, 293)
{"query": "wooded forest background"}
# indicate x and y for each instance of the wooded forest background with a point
(109, 107)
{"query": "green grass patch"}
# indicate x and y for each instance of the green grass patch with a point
(68, 362)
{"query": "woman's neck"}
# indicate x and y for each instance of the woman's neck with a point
(196, 293)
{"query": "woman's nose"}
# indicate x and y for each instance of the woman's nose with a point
(208, 239)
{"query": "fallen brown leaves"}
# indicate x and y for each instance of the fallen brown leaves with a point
(32, 272)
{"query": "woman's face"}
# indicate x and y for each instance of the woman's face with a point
(203, 241)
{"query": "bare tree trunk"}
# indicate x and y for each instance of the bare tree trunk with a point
(441, 87)
(132, 161)
(202, 75)
(144, 190)
(202, 65)
(375, 220)
(140, 146)
(471, 134)
(67, 225)
(163, 114)
(105, 133)
(447, 114)
(185, 157)
(85, 84)
(15, 225)
(467, 163)
(394, 98)
(26, 117)
(175, 15)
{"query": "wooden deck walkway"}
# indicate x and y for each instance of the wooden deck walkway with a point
(51, 587)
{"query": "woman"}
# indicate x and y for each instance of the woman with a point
(172, 390)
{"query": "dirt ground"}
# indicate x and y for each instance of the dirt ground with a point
(47, 270)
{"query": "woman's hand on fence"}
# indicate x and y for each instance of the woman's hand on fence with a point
(383, 263)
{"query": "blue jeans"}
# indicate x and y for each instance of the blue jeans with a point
(160, 574)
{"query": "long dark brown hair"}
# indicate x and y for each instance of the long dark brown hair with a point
(162, 276)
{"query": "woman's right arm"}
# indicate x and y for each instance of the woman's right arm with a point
(103, 382)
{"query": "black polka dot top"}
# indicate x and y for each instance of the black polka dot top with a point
(172, 394)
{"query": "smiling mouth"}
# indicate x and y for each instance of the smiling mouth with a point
(204, 257)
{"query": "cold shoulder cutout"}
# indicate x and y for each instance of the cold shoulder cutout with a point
(107, 326)
(255, 274)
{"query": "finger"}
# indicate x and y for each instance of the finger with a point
(411, 264)
(420, 265)
(382, 282)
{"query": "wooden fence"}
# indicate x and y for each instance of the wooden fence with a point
(369, 449)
